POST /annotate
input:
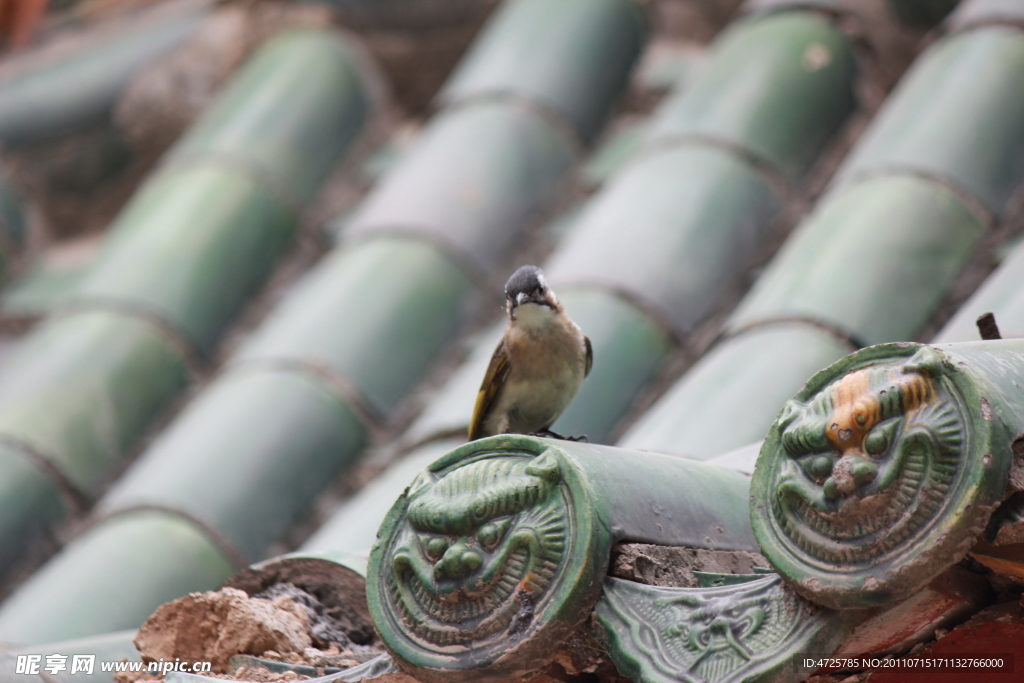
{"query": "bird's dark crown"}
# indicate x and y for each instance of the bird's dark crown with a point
(527, 280)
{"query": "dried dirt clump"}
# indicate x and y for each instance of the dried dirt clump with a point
(213, 626)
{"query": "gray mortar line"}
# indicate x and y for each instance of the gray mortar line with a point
(973, 205)
(197, 364)
(334, 382)
(843, 335)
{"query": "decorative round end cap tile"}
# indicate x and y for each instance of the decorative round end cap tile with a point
(487, 562)
(877, 477)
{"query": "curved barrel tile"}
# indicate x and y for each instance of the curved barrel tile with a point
(475, 178)
(665, 231)
(921, 127)
(181, 261)
(498, 551)
(78, 90)
(578, 60)
(904, 216)
(353, 314)
(696, 422)
(223, 451)
(245, 460)
(777, 87)
(44, 610)
(907, 234)
(883, 471)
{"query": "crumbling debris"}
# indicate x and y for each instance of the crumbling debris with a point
(327, 627)
(267, 626)
(213, 626)
(657, 565)
(332, 590)
(581, 658)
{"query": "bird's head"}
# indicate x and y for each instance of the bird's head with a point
(527, 290)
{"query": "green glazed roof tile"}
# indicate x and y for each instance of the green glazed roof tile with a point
(183, 258)
(81, 89)
(758, 370)
(197, 240)
(928, 429)
(958, 115)
(32, 502)
(572, 503)
(673, 230)
(871, 262)
(221, 461)
(481, 137)
(109, 647)
(888, 234)
(80, 388)
(668, 66)
(385, 157)
(92, 585)
(632, 348)
(474, 178)
(742, 459)
(13, 218)
(451, 407)
(1001, 294)
(375, 314)
(39, 291)
(189, 250)
(286, 116)
(555, 230)
(977, 12)
(659, 232)
(612, 156)
(353, 526)
(756, 7)
(568, 56)
(777, 87)
(45, 284)
(641, 625)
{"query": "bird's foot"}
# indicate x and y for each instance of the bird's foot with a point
(547, 433)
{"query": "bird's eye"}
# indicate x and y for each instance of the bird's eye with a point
(434, 546)
(489, 535)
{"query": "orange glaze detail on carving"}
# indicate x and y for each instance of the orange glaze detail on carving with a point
(857, 408)
(527, 584)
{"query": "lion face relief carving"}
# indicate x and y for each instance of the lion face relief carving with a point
(865, 474)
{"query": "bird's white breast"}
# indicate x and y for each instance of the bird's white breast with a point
(548, 363)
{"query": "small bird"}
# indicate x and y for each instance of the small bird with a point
(538, 366)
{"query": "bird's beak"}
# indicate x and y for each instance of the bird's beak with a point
(524, 298)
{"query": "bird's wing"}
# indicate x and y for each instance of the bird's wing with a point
(494, 380)
(590, 355)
